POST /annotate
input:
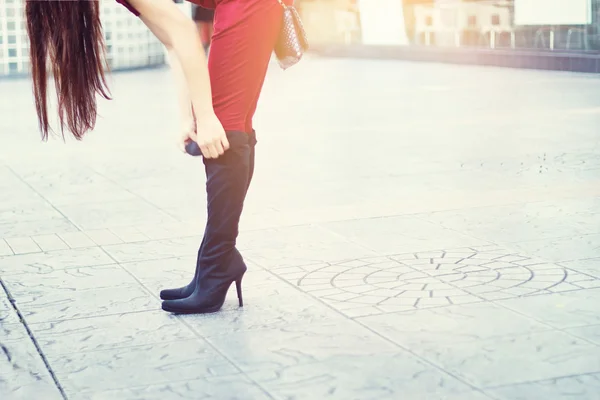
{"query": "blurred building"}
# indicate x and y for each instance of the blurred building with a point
(553, 34)
(129, 43)
(573, 24)
(330, 21)
(557, 34)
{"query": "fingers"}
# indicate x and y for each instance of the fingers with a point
(211, 151)
(219, 148)
(206, 151)
(225, 142)
(216, 148)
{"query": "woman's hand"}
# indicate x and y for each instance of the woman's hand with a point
(188, 134)
(210, 136)
(179, 34)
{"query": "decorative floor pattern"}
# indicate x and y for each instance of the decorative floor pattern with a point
(402, 242)
(430, 279)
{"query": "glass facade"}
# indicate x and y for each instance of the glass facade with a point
(489, 24)
(13, 38)
(129, 43)
(508, 24)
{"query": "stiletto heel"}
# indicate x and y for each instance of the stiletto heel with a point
(210, 292)
(198, 303)
(238, 286)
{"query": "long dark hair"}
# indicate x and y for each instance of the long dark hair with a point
(68, 35)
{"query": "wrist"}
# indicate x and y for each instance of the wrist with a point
(187, 121)
(202, 110)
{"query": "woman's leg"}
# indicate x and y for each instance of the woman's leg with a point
(245, 32)
(242, 43)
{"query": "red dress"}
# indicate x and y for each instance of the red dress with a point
(245, 32)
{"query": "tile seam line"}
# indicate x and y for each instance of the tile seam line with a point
(225, 357)
(32, 237)
(497, 302)
(554, 328)
(196, 334)
(44, 198)
(511, 245)
(34, 341)
(90, 391)
(319, 225)
(120, 348)
(386, 255)
(97, 265)
(136, 195)
(91, 317)
(540, 380)
(423, 360)
(351, 318)
(416, 214)
(109, 264)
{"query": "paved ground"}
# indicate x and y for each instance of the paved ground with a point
(414, 231)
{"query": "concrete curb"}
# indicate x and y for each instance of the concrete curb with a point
(543, 60)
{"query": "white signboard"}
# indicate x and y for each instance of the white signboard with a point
(382, 22)
(553, 12)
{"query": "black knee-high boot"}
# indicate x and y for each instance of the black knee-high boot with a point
(219, 262)
(185, 291)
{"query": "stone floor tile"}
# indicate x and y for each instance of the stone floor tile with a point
(389, 235)
(154, 250)
(269, 307)
(43, 263)
(361, 377)
(12, 332)
(581, 387)
(23, 245)
(234, 387)
(139, 366)
(590, 332)
(23, 373)
(293, 246)
(564, 249)
(34, 228)
(78, 293)
(564, 310)
(50, 242)
(515, 359)
(109, 332)
(103, 237)
(129, 234)
(519, 222)
(8, 315)
(273, 349)
(5, 249)
(590, 266)
(114, 214)
(77, 240)
(453, 325)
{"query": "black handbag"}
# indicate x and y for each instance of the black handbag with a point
(292, 42)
